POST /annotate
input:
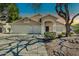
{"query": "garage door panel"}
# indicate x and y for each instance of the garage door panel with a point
(25, 29)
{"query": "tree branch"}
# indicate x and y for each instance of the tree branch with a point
(74, 18)
(67, 12)
(60, 11)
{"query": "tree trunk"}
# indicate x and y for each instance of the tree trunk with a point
(67, 30)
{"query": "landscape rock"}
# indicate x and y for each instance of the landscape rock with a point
(68, 46)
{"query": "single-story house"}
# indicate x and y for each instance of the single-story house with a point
(37, 24)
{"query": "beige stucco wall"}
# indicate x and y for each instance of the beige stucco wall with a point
(60, 28)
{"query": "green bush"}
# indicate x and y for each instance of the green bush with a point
(63, 34)
(71, 33)
(60, 35)
(51, 35)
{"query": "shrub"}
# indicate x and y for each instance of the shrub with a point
(63, 33)
(71, 33)
(60, 35)
(51, 35)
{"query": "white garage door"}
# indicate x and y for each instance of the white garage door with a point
(33, 29)
(36, 29)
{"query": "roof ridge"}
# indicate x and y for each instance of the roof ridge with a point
(26, 20)
(49, 15)
(36, 15)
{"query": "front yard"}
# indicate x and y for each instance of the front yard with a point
(28, 45)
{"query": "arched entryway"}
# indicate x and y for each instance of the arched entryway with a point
(48, 26)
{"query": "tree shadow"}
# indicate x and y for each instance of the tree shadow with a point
(23, 46)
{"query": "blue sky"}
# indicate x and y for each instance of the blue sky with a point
(26, 9)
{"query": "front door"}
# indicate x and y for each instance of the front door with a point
(47, 29)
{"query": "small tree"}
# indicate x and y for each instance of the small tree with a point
(63, 11)
(13, 12)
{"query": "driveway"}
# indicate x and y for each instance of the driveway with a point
(22, 46)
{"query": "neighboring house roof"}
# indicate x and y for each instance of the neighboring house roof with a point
(37, 15)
